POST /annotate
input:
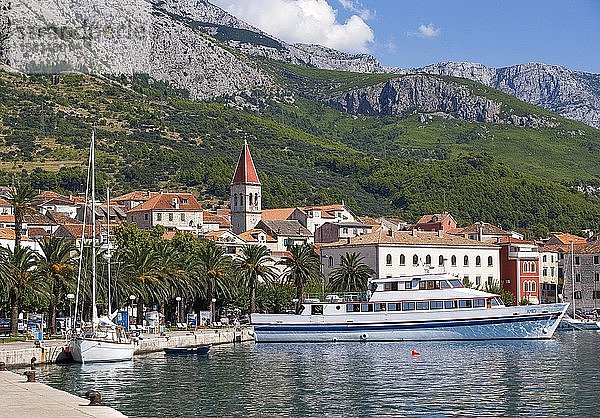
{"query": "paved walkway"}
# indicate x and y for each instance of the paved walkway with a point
(21, 399)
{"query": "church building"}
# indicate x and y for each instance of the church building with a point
(246, 194)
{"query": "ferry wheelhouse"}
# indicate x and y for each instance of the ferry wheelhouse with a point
(416, 308)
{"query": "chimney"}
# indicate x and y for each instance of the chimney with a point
(390, 233)
(440, 233)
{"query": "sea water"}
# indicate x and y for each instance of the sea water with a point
(557, 377)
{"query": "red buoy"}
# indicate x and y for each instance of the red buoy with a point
(415, 353)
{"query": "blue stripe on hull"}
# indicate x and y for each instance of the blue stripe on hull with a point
(535, 326)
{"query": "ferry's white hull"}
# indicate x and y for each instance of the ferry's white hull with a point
(88, 350)
(519, 322)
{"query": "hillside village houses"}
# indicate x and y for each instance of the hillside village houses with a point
(480, 254)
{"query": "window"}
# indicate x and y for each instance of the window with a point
(577, 260)
(184, 201)
(552, 258)
(533, 286)
(408, 306)
(466, 260)
(596, 294)
(316, 309)
(578, 294)
(390, 286)
(255, 199)
(465, 303)
(525, 266)
(402, 259)
(145, 216)
(422, 285)
(597, 259)
(479, 303)
(170, 217)
(379, 307)
(345, 230)
(391, 306)
(415, 260)
(490, 280)
(444, 284)
(235, 199)
(478, 261)
(250, 199)
(526, 286)
(455, 283)
(436, 304)
(330, 261)
(366, 307)
(545, 272)
(578, 277)
(545, 258)
(388, 259)
(597, 277)
(453, 261)
(159, 217)
(428, 260)
(441, 260)
(532, 267)
(353, 307)
(477, 280)
(407, 285)
(490, 261)
(182, 216)
(422, 306)
(449, 304)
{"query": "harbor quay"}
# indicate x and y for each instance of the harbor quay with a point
(51, 351)
(22, 398)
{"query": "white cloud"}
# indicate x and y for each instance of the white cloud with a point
(306, 21)
(357, 7)
(426, 31)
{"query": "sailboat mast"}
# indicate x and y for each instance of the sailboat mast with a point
(573, 277)
(108, 250)
(93, 196)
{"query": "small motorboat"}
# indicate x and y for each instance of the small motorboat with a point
(178, 351)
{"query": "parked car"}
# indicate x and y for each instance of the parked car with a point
(4, 326)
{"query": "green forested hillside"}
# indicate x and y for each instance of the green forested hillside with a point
(152, 137)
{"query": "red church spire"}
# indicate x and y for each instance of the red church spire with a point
(245, 171)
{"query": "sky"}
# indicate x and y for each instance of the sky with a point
(414, 33)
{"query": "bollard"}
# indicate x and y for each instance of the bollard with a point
(30, 375)
(94, 396)
(2, 366)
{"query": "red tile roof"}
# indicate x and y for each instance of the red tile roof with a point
(245, 171)
(164, 201)
(252, 236)
(136, 195)
(383, 236)
(280, 214)
(212, 218)
(433, 218)
(7, 218)
(566, 238)
(7, 233)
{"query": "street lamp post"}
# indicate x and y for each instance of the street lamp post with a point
(213, 309)
(178, 299)
(131, 298)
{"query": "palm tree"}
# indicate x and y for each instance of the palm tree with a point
(141, 265)
(21, 200)
(20, 265)
(302, 266)
(56, 266)
(352, 275)
(255, 264)
(212, 267)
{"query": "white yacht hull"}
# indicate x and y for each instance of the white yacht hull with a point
(89, 350)
(518, 322)
(571, 324)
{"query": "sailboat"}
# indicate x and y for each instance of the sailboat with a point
(576, 322)
(103, 340)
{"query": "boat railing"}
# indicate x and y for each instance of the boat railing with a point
(337, 297)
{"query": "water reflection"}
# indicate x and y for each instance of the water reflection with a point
(512, 378)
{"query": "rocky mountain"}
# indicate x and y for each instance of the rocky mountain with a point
(572, 94)
(198, 47)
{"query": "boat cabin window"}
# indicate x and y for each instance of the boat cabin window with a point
(394, 306)
(366, 307)
(316, 309)
(422, 306)
(380, 307)
(436, 304)
(390, 286)
(444, 284)
(450, 304)
(407, 285)
(422, 285)
(456, 283)
(353, 307)
(479, 303)
(497, 302)
(408, 306)
(465, 303)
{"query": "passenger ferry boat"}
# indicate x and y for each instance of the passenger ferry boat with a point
(417, 308)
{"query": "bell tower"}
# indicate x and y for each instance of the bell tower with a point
(246, 194)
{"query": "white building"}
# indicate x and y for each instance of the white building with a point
(396, 253)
